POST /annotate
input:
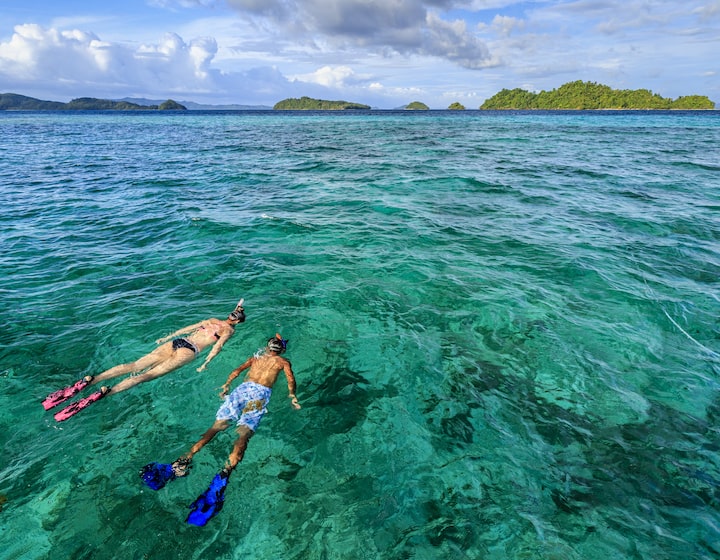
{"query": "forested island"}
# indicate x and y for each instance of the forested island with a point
(590, 95)
(15, 102)
(310, 104)
(416, 106)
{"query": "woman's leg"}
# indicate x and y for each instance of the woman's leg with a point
(160, 354)
(177, 358)
(182, 464)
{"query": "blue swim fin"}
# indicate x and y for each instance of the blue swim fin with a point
(157, 475)
(210, 502)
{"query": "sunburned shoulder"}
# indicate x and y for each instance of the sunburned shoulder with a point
(279, 361)
(220, 324)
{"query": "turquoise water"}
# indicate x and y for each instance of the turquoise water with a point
(504, 329)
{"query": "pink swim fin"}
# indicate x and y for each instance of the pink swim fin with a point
(77, 406)
(61, 395)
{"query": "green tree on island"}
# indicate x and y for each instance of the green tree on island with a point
(690, 102)
(591, 95)
(456, 107)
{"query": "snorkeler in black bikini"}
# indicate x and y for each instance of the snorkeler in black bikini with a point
(164, 359)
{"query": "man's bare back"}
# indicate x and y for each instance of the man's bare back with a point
(264, 370)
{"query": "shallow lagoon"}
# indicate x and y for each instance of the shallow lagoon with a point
(504, 328)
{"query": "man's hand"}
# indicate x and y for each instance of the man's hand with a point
(201, 368)
(295, 403)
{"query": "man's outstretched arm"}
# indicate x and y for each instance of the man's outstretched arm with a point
(292, 385)
(234, 373)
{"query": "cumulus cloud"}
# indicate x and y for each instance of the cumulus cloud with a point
(409, 27)
(328, 76)
(451, 40)
(76, 57)
(74, 63)
(34, 52)
(174, 59)
(506, 25)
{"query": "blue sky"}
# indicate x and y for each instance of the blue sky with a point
(384, 53)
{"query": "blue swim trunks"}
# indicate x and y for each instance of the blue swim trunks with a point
(246, 405)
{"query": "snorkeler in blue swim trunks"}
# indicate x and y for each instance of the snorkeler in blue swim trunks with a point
(247, 404)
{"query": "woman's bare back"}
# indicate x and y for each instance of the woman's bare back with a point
(209, 332)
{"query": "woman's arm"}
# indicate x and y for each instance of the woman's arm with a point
(216, 349)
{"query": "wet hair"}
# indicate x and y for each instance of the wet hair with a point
(277, 344)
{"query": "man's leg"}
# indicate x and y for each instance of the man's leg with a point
(239, 447)
(182, 464)
(215, 429)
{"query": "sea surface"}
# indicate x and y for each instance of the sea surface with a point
(504, 327)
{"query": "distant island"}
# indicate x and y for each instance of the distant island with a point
(590, 95)
(15, 102)
(310, 104)
(193, 106)
(417, 106)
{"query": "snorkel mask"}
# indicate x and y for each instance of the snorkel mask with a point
(277, 344)
(239, 313)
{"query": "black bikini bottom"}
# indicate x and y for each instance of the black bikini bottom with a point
(182, 343)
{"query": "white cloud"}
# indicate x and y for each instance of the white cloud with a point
(506, 25)
(397, 92)
(174, 58)
(334, 77)
(451, 40)
(709, 10)
(73, 63)
(35, 52)
(404, 27)
(73, 56)
(182, 3)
